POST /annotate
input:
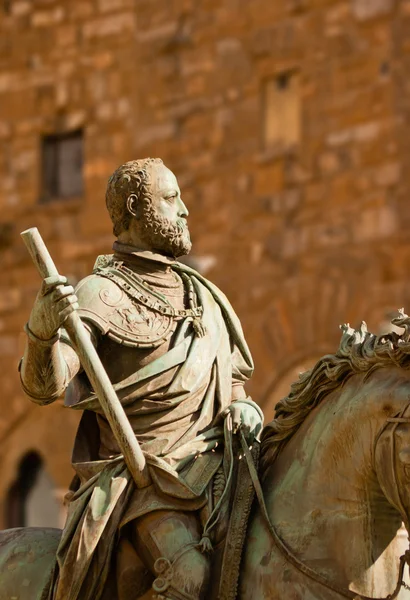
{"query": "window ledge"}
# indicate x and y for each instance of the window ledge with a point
(277, 152)
(59, 204)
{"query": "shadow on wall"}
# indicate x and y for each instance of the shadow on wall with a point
(31, 500)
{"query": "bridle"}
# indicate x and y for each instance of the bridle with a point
(287, 552)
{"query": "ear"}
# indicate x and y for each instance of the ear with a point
(132, 207)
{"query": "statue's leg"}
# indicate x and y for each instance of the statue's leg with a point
(167, 542)
(133, 577)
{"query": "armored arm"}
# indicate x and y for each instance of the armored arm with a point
(246, 414)
(48, 364)
(47, 367)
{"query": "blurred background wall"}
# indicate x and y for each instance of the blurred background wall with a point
(287, 124)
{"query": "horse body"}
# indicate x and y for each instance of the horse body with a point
(27, 559)
(325, 499)
(336, 474)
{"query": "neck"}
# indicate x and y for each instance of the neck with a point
(153, 260)
(132, 239)
(326, 499)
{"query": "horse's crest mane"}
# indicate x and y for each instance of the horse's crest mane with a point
(359, 352)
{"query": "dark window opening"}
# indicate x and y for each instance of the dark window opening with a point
(17, 495)
(282, 106)
(283, 80)
(32, 500)
(7, 231)
(62, 166)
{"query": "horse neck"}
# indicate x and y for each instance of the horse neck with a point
(323, 490)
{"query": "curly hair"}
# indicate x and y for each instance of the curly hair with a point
(131, 178)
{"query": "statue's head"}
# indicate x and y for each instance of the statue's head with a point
(145, 205)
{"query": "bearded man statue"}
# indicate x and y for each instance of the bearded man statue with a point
(175, 353)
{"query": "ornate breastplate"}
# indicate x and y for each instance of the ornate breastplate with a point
(130, 311)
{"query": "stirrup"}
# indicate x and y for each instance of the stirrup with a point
(162, 585)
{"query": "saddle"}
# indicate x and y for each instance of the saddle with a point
(230, 539)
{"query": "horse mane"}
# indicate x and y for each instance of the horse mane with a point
(359, 352)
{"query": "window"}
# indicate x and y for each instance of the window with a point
(62, 166)
(282, 111)
(6, 235)
(31, 500)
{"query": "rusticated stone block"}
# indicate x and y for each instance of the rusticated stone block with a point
(8, 346)
(108, 25)
(22, 8)
(288, 229)
(48, 18)
(368, 9)
(388, 174)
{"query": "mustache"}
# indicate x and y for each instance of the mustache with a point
(161, 225)
(182, 225)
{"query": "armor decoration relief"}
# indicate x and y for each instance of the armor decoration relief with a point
(120, 316)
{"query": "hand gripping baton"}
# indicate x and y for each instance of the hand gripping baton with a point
(80, 339)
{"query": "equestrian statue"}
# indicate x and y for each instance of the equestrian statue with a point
(178, 494)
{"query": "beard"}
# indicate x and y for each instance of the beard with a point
(162, 234)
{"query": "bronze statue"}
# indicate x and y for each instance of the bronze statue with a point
(174, 350)
(333, 487)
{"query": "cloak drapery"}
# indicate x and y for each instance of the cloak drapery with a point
(174, 405)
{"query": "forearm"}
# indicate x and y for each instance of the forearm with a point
(46, 368)
(238, 390)
(247, 400)
(239, 395)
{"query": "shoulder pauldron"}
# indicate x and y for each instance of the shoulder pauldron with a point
(123, 308)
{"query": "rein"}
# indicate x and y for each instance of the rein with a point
(288, 554)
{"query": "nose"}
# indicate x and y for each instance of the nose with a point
(182, 209)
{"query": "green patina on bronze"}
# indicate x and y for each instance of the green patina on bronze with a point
(161, 383)
(336, 492)
(27, 561)
(155, 356)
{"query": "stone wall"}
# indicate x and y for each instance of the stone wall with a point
(302, 236)
(63, 66)
(298, 196)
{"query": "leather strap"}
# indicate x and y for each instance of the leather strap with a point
(288, 554)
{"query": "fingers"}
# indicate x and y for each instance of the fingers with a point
(67, 302)
(62, 292)
(250, 427)
(66, 306)
(245, 421)
(246, 430)
(236, 417)
(67, 312)
(50, 283)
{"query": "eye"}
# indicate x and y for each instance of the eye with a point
(171, 196)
